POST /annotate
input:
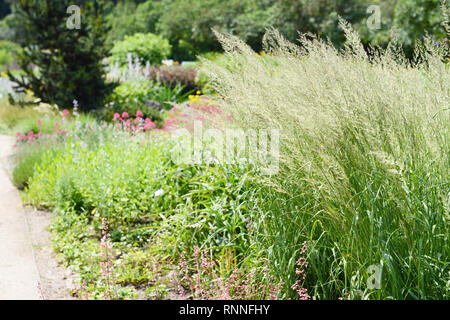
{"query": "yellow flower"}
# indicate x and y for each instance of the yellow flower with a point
(262, 53)
(198, 92)
(193, 98)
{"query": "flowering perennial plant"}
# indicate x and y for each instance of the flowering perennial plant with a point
(300, 271)
(203, 282)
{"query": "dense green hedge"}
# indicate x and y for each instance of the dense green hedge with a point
(146, 47)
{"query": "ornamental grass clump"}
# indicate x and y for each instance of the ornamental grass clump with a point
(364, 161)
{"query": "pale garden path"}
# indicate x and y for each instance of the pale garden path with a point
(19, 277)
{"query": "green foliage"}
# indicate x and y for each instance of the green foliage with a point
(152, 205)
(37, 123)
(414, 19)
(363, 174)
(26, 162)
(24, 168)
(147, 47)
(8, 53)
(134, 95)
(130, 97)
(13, 118)
(187, 24)
(68, 62)
(10, 28)
(128, 18)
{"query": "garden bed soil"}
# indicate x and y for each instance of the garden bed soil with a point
(56, 281)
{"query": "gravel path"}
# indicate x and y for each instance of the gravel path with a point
(19, 277)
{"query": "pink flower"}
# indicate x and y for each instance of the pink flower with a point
(139, 114)
(116, 117)
(125, 115)
(302, 265)
(66, 113)
(149, 125)
(39, 122)
(56, 124)
(170, 122)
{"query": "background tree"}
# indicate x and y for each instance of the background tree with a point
(129, 17)
(5, 8)
(61, 64)
(415, 17)
(188, 23)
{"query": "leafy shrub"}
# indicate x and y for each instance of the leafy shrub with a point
(8, 53)
(130, 97)
(5, 59)
(146, 47)
(128, 18)
(11, 29)
(188, 25)
(169, 93)
(175, 75)
(363, 165)
(147, 96)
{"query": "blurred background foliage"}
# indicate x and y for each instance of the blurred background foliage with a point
(187, 24)
(155, 31)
